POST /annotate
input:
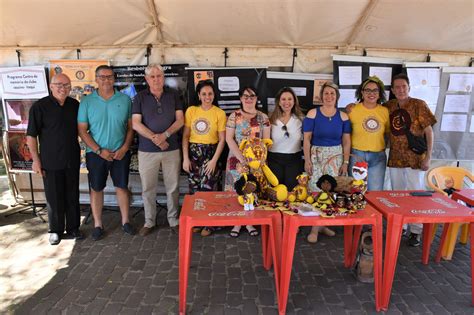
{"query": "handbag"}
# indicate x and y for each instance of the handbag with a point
(416, 144)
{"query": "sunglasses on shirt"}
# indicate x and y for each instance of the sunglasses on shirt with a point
(159, 108)
(285, 129)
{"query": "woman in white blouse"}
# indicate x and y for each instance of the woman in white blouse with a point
(285, 155)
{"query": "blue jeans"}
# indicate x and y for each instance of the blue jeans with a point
(377, 163)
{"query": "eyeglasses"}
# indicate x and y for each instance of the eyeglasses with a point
(62, 85)
(375, 91)
(105, 77)
(159, 108)
(285, 129)
(249, 97)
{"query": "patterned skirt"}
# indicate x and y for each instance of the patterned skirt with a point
(199, 155)
(326, 160)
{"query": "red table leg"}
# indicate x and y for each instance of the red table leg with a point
(185, 249)
(348, 235)
(288, 250)
(355, 243)
(471, 227)
(274, 242)
(427, 231)
(377, 238)
(392, 244)
(267, 254)
(277, 231)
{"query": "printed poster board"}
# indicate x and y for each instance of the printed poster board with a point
(305, 85)
(131, 79)
(81, 73)
(351, 71)
(19, 156)
(228, 82)
(20, 88)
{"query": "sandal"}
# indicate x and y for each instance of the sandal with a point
(327, 231)
(235, 232)
(206, 231)
(252, 231)
(313, 235)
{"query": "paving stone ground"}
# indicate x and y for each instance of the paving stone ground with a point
(124, 274)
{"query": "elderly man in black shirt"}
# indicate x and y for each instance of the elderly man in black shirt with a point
(53, 119)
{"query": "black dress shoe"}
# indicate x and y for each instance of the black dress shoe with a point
(97, 233)
(76, 234)
(128, 228)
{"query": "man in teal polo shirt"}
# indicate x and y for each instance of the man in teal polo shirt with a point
(104, 124)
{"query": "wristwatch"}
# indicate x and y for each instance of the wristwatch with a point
(167, 134)
(346, 162)
(98, 151)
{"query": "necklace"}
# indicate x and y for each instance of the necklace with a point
(327, 116)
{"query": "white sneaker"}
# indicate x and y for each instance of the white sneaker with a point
(54, 239)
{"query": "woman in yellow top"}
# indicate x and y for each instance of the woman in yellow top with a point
(370, 121)
(203, 142)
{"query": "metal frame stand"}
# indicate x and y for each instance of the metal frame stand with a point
(33, 206)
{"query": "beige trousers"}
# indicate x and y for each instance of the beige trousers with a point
(149, 164)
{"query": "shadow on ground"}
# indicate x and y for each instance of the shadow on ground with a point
(131, 274)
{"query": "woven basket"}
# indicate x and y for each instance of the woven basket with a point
(344, 183)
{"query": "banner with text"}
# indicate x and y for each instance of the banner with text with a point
(20, 88)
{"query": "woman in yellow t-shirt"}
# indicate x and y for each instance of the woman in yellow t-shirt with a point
(203, 142)
(370, 121)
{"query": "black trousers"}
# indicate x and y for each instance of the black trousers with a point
(62, 195)
(286, 167)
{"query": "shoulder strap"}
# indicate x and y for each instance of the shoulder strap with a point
(401, 117)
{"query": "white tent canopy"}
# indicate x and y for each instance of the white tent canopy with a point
(256, 32)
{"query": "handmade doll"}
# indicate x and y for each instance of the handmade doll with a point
(325, 198)
(341, 201)
(359, 200)
(359, 172)
(300, 191)
(255, 153)
(247, 188)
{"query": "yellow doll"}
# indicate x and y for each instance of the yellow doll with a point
(247, 188)
(325, 198)
(300, 191)
(255, 153)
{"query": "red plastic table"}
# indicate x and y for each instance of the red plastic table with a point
(399, 207)
(466, 195)
(368, 216)
(222, 209)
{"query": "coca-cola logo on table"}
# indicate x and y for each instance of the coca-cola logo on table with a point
(428, 211)
(227, 214)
